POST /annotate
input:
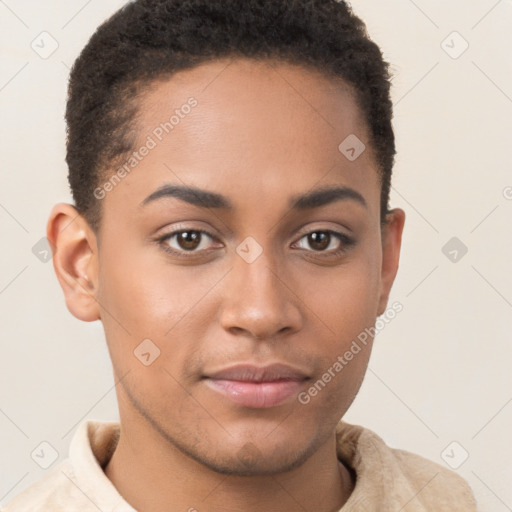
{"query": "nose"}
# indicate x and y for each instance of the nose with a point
(259, 301)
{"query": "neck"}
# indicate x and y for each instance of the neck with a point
(153, 475)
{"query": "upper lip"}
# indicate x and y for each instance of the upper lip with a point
(254, 373)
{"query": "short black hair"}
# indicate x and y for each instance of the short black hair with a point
(149, 40)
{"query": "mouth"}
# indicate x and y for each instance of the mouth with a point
(255, 386)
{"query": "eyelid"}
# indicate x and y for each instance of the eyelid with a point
(310, 226)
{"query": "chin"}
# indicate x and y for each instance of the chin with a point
(249, 462)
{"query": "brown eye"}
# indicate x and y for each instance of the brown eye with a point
(186, 241)
(326, 242)
(319, 240)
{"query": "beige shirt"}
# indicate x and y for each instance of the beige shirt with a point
(388, 480)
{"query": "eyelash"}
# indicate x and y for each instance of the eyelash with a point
(346, 242)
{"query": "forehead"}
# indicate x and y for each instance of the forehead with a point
(270, 92)
(264, 125)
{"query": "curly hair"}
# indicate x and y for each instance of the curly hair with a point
(149, 40)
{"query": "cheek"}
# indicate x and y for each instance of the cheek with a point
(345, 300)
(344, 304)
(142, 292)
(136, 303)
(143, 297)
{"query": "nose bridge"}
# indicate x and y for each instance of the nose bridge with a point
(257, 300)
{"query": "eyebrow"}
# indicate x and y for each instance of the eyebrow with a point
(198, 197)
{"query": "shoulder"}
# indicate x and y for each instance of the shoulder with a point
(400, 478)
(438, 487)
(79, 480)
(51, 492)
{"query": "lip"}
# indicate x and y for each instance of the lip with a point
(257, 386)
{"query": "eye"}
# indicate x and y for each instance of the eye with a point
(185, 241)
(327, 241)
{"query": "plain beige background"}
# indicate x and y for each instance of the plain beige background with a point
(439, 381)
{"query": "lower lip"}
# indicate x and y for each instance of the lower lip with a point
(256, 394)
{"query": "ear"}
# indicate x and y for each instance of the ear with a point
(391, 243)
(75, 260)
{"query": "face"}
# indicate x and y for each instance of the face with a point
(192, 286)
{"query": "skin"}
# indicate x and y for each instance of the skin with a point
(262, 132)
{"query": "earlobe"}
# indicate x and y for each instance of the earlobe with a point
(75, 260)
(391, 244)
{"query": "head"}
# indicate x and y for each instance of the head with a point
(230, 164)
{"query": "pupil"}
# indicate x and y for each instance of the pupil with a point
(319, 237)
(188, 239)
